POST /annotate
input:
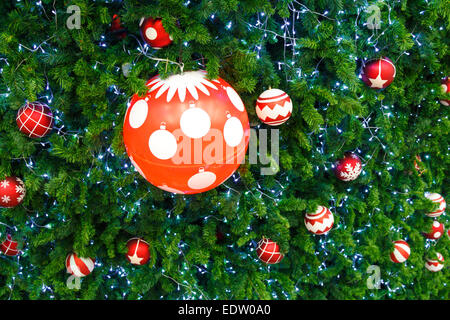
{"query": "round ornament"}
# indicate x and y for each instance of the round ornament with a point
(417, 164)
(9, 247)
(138, 251)
(35, 119)
(117, 29)
(269, 251)
(274, 107)
(348, 168)
(401, 251)
(154, 34)
(12, 192)
(445, 89)
(79, 267)
(188, 134)
(436, 231)
(319, 222)
(436, 198)
(435, 265)
(378, 73)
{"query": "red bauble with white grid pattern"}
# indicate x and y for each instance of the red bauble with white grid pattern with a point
(138, 251)
(154, 34)
(435, 265)
(12, 192)
(9, 246)
(35, 119)
(445, 89)
(401, 251)
(319, 222)
(436, 231)
(269, 251)
(79, 267)
(436, 198)
(274, 107)
(378, 73)
(348, 168)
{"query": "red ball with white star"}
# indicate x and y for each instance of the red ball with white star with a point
(9, 247)
(436, 231)
(154, 34)
(35, 119)
(12, 192)
(269, 251)
(445, 89)
(138, 251)
(348, 168)
(378, 73)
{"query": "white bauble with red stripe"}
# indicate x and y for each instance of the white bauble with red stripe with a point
(435, 265)
(274, 107)
(435, 232)
(269, 251)
(79, 267)
(445, 89)
(401, 251)
(319, 222)
(436, 198)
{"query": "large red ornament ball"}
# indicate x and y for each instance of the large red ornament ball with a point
(269, 251)
(154, 34)
(436, 231)
(138, 251)
(35, 119)
(436, 198)
(188, 134)
(378, 73)
(9, 246)
(117, 28)
(12, 192)
(445, 89)
(348, 168)
(79, 267)
(319, 222)
(274, 107)
(435, 265)
(401, 251)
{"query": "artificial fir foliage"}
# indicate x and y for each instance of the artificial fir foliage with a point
(83, 195)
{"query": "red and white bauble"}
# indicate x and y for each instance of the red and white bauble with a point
(445, 89)
(401, 251)
(154, 34)
(435, 265)
(436, 198)
(9, 246)
(188, 134)
(138, 251)
(348, 168)
(319, 222)
(274, 107)
(35, 119)
(378, 73)
(269, 251)
(79, 267)
(437, 230)
(12, 192)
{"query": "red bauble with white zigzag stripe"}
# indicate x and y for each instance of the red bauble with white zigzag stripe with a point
(435, 265)
(378, 73)
(79, 267)
(9, 247)
(269, 251)
(12, 192)
(319, 222)
(274, 107)
(401, 251)
(348, 168)
(138, 251)
(35, 119)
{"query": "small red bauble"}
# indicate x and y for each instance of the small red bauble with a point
(378, 73)
(79, 267)
(12, 192)
(348, 168)
(35, 119)
(435, 265)
(401, 251)
(437, 230)
(154, 34)
(138, 251)
(9, 246)
(436, 198)
(117, 28)
(319, 222)
(188, 134)
(446, 89)
(269, 251)
(274, 107)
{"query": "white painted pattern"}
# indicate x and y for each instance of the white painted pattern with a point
(162, 144)
(195, 123)
(235, 99)
(233, 132)
(138, 113)
(201, 180)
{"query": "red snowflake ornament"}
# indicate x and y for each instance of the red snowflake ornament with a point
(435, 265)
(274, 107)
(319, 222)
(436, 231)
(188, 134)
(269, 251)
(35, 119)
(79, 267)
(401, 251)
(12, 192)
(348, 168)
(445, 89)
(154, 34)
(378, 73)
(9, 246)
(436, 198)
(138, 251)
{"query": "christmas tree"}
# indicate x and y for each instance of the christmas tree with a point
(85, 198)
